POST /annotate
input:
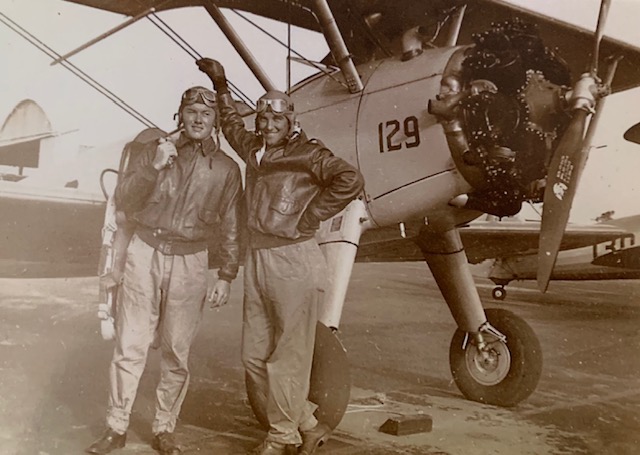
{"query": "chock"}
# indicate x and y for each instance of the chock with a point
(407, 424)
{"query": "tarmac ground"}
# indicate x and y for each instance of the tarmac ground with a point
(396, 329)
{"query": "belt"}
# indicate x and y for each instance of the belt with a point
(154, 239)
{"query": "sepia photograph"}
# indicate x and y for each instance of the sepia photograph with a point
(297, 227)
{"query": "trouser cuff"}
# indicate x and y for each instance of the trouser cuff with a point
(118, 420)
(309, 424)
(164, 422)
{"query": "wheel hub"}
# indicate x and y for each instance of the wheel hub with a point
(489, 365)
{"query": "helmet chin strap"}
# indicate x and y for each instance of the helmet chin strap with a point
(294, 130)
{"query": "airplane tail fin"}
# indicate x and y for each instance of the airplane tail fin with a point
(628, 223)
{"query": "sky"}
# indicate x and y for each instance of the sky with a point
(139, 64)
(142, 66)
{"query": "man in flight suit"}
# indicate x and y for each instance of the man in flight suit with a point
(292, 184)
(179, 196)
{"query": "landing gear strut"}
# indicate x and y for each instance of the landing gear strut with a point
(495, 357)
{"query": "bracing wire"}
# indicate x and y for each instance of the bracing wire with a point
(185, 46)
(41, 46)
(535, 209)
(310, 62)
(175, 36)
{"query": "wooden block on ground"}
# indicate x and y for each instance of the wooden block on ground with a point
(408, 424)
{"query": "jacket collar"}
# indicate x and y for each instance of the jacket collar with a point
(289, 145)
(208, 144)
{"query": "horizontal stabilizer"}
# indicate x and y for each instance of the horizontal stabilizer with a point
(628, 258)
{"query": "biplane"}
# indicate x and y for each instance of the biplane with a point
(450, 109)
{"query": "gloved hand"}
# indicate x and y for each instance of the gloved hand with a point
(215, 71)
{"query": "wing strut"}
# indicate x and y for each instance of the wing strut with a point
(336, 44)
(456, 25)
(239, 45)
(103, 36)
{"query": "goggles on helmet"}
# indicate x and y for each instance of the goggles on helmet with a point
(277, 105)
(198, 94)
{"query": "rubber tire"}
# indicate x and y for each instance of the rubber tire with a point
(330, 383)
(526, 362)
(499, 293)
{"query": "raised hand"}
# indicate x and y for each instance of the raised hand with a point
(214, 70)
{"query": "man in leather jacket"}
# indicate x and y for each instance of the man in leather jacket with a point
(181, 196)
(292, 184)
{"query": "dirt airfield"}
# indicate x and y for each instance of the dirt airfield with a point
(396, 329)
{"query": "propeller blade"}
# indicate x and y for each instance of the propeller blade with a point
(558, 195)
(569, 159)
(562, 178)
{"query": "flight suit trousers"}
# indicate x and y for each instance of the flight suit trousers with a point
(282, 289)
(161, 296)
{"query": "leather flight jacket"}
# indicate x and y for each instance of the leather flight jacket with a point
(293, 188)
(183, 208)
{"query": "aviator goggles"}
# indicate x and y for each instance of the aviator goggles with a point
(196, 94)
(277, 105)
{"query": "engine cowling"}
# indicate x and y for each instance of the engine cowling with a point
(502, 106)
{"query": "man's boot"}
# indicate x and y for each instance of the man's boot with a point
(110, 440)
(165, 444)
(273, 448)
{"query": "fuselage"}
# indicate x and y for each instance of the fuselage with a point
(480, 121)
(388, 133)
(51, 232)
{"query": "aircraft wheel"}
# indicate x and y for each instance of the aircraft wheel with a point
(499, 293)
(330, 381)
(502, 373)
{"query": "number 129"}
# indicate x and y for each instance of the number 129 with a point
(388, 130)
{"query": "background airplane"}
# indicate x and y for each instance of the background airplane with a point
(405, 194)
(53, 225)
(611, 260)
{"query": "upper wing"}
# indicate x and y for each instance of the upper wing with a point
(484, 240)
(373, 28)
(50, 233)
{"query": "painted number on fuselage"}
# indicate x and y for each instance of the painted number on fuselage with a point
(388, 130)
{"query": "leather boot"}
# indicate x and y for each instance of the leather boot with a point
(273, 448)
(165, 444)
(110, 440)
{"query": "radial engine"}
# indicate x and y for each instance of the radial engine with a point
(502, 103)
